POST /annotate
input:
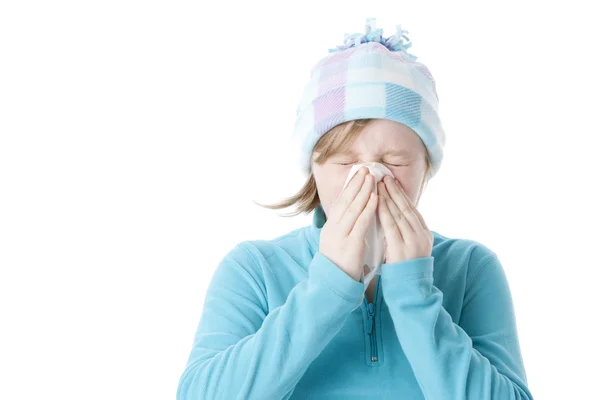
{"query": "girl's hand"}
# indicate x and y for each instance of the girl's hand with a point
(343, 235)
(405, 231)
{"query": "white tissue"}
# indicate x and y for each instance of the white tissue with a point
(375, 239)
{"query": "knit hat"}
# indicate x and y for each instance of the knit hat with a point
(368, 77)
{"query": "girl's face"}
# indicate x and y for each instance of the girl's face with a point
(388, 142)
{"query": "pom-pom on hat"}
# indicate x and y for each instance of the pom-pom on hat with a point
(369, 76)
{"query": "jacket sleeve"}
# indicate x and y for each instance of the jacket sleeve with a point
(480, 357)
(241, 350)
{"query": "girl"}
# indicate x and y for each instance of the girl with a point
(289, 318)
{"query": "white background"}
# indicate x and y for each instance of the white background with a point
(134, 136)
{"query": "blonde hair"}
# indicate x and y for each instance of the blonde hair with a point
(336, 140)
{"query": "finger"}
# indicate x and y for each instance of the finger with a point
(348, 220)
(365, 218)
(348, 194)
(388, 223)
(421, 219)
(403, 204)
(403, 224)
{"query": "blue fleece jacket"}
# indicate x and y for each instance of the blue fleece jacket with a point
(281, 321)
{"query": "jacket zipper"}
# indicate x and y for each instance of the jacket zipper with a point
(371, 322)
(371, 331)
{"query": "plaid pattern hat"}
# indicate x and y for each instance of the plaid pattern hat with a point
(369, 77)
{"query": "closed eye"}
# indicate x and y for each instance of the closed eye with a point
(395, 165)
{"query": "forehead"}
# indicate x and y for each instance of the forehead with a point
(385, 137)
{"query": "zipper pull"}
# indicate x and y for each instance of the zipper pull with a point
(370, 323)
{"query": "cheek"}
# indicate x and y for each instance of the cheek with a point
(330, 185)
(334, 190)
(408, 181)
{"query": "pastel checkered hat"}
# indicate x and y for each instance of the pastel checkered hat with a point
(369, 77)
